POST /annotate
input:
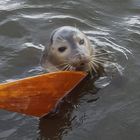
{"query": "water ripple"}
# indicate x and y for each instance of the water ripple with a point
(134, 20)
(7, 133)
(109, 25)
(10, 5)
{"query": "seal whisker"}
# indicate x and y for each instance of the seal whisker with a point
(98, 49)
(93, 67)
(102, 60)
(69, 67)
(90, 70)
(65, 67)
(100, 54)
(98, 62)
(99, 58)
(94, 64)
(101, 50)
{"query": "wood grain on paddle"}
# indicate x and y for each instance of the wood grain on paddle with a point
(38, 95)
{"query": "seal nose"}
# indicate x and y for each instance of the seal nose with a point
(83, 62)
(80, 60)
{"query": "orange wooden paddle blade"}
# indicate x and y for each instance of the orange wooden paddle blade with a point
(38, 95)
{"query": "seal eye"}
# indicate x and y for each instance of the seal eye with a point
(62, 49)
(81, 42)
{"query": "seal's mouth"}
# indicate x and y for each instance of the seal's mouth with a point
(81, 67)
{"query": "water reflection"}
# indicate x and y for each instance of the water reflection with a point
(113, 25)
(10, 5)
(56, 125)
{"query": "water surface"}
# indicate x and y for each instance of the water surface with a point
(103, 110)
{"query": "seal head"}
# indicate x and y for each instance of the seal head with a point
(68, 49)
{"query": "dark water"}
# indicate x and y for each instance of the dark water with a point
(108, 109)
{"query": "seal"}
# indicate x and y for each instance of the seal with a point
(69, 49)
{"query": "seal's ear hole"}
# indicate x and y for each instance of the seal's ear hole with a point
(62, 49)
(82, 41)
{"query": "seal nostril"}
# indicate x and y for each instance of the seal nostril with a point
(82, 64)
